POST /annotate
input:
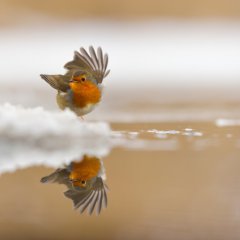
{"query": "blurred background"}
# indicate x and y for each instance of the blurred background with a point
(174, 51)
(77, 10)
(175, 71)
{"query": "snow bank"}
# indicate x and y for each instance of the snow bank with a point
(35, 136)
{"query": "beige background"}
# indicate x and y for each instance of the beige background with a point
(12, 10)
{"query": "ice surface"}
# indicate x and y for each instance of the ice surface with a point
(35, 136)
(185, 132)
(227, 122)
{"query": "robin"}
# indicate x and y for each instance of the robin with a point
(85, 184)
(79, 89)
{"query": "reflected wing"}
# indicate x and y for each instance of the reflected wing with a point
(60, 176)
(94, 63)
(92, 198)
(58, 82)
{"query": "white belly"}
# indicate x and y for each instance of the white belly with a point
(84, 110)
(63, 102)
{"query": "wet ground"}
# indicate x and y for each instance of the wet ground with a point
(177, 180)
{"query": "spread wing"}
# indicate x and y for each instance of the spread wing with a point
(91, 198)
(59, 82)
(93, 62)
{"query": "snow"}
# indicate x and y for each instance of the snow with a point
(34, 136)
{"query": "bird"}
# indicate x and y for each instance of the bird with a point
(85, 183)
(80, 88)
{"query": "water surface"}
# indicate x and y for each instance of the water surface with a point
(174, 180)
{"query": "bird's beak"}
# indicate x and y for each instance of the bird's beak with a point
(72, 80)
(73, 180)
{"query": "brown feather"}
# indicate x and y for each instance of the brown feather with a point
(59, 82)
(94, 64)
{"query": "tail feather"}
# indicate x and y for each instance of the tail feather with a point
(59, 82)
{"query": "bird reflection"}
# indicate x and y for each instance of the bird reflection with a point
(85, 182)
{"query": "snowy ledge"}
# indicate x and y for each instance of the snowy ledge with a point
(34, 136)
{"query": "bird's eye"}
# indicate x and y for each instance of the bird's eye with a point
(83, 182)
(83, 79)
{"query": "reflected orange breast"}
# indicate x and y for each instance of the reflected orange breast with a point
(88, 168)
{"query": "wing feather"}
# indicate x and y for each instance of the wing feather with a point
(94, 57)
(94, 63)
(105, 201)
(99, 206)
(100, 58)
(78, 61)
(105, 62)
(78, 197)
(90, 199)
(93, 203)
(87, 57)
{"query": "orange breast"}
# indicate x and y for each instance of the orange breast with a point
(88, 168)
(85, 93)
